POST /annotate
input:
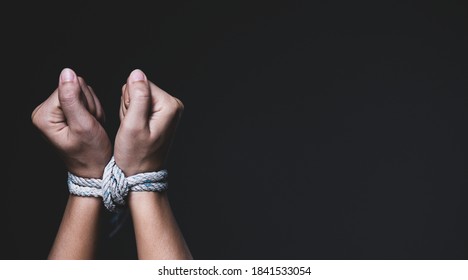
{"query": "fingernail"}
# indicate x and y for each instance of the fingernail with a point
(67, 75)
(137, 75)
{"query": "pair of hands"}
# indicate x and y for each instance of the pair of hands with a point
(72, 118)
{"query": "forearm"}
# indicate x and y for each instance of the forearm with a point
(78, 232)
(157, 234)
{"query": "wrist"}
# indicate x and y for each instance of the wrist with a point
(83, 205)
(140, 166)
(143, 199)
(95, 172)
(89, 168)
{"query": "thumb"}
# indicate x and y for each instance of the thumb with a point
(72, 101)
(139, 94)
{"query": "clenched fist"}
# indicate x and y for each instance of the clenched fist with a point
(71, 120)
(149, 118)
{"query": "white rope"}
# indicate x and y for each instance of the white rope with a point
(114, 186)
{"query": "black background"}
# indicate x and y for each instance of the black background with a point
(312, 129)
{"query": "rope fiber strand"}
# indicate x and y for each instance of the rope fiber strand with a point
(114, 186)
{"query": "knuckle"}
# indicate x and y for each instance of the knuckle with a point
(139, 92)
(180, 105)
(68, 97)
(174, 107)
(37, 119)
(34, 118)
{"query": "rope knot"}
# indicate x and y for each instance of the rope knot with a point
(114, 186)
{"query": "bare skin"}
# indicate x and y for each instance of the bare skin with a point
(149, 119)
(70, 119)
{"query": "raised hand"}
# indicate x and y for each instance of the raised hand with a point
(149, 118)
(71, 120)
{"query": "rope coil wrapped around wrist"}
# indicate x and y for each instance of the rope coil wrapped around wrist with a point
(114, 186)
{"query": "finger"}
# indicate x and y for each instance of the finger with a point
(125, 97)
(124, 101)
(100, 115)
(48, 111)
(121, 109)
(90, 104)
(72, 101)
(52, 99)
(161, 100)
(140, 100)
